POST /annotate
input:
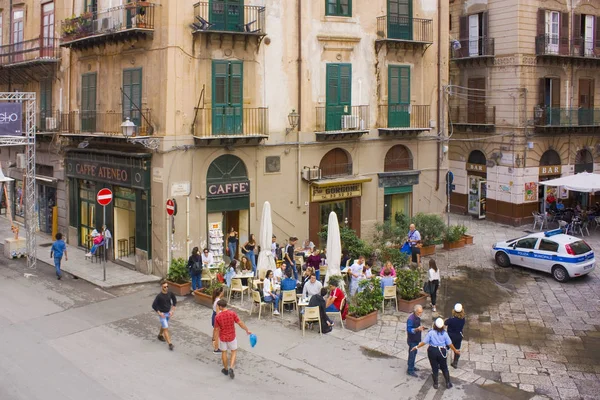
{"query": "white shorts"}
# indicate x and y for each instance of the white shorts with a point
(224, 346)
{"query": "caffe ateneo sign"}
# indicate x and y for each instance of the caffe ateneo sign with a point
(224, 189)
(335, 192)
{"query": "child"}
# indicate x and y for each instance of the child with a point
(58, 248)
(98, 240)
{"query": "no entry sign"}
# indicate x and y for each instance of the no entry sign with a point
(170, 207)
(104, 197)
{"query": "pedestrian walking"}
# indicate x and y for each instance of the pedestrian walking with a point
(455, 325)
(195, 266)
(248, 249)
(164, 305)
(414, 238)
(433, 275)
(413, 337)
(289, 257)
(217, 295)
(437, 352)
(57, 250)
(224, 331)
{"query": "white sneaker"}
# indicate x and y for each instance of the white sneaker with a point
(88, 254)
(433, 308)
(275, 312)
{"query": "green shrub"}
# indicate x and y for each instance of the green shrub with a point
(178, 273)
(392, 232)
(430, 226)
(463, 230)
(214, 285)
(368, 299)
(394, 255)
(453, 233)
(335, 279)
(408, 283)
(355, 245)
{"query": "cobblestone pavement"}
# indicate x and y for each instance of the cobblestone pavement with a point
(524, 329)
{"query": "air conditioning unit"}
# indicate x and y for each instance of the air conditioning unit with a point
(50, 124)
(349, 122)
(311, 174)
(103, 25)
(21, 163)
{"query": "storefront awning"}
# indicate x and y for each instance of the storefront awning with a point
(342, 181)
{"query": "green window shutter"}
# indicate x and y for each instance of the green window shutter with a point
(236, 83)
(341, 8)
(132, 95)
(88, 92)
(397, 190)
(394, 84)
(333, 75)
(46, 95)
(220, 87)
(345, 84)
(404, 85)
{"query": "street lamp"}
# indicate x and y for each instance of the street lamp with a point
(128, 127)
(293, 119)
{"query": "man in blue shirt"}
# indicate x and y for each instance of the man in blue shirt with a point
(57, 250)
(413, 337)
(288, 284)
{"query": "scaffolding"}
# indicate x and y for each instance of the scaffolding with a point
(26, 139)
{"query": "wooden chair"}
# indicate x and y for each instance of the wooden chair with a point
(389, 293)
(256, 300)
(289, 297)
(322, 272)
(236, 286)
(206, 276)
(311, 314)
(338, 313)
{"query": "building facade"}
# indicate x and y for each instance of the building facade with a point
(521, 105)
(314, 106)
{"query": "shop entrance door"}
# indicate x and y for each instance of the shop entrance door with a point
(231, 219)
(87, 211)
(124, 224)
(341, 208)
(46, 203)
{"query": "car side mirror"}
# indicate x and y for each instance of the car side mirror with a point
(514, 245)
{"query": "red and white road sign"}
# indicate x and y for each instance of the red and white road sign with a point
(170, 207)
(104, 197)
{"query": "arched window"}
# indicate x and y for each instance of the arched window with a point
(398, 158)
(335, 163)
(550, 157)
(477, 157)
(226, 168)
(584, 161)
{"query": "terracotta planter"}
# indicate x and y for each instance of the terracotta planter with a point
(468, 239)
(180, 289)
(454, 245)
(357, 324)
(202, 298)
(408, 306)
(427, 250)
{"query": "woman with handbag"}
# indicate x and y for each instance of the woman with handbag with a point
(433, 275)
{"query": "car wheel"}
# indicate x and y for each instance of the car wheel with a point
(560, 273)
(502, 259)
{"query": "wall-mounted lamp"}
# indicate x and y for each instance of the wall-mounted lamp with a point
(293, 119)
(128, 128)
(518, 160)
(538, 112)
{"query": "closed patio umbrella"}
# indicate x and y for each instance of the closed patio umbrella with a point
(265, 257)
(334, 247)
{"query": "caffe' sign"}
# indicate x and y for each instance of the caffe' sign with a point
(228, 189)
(547, 170)
(335, 192)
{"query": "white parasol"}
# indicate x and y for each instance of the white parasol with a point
(265, 257)
(334, 247)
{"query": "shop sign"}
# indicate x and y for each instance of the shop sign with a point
(335, 192)
(548, 170)
(228, 189)
(11, 119)
(124, 175)
(476, 167)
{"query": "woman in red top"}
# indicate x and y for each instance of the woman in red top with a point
(336, 300)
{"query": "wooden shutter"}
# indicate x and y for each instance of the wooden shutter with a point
(345, 84)
(463, 37)
(597, 37)
(563, 45)
(555, 93)
(484, 24)
(88, 92)
(592, 92)
(578, 44)
(394, 84)
(541, 22)
(132, 94)
(542, 92)
(236, 84)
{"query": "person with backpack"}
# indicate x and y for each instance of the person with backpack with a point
(195, 266)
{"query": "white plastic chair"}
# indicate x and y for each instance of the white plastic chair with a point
(236, 286)
(338, 313)
(288, 297)
(311, 314)
(256, 300)
(389, 293)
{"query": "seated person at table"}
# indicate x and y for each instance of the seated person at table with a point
(305, 278)
(308, 246)
(314, 261)
(345, 258)
(278, 273)
(318, 300)
(335, 300)
(269, 292)
(560, 206)
(288, 283)
(207, 258)
(245, 265)
(388, 267)
(312, 287)
(230, 273)
(387, 279)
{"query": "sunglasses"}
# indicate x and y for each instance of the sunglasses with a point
(165, 287)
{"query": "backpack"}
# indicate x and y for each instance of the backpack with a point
(196, 268)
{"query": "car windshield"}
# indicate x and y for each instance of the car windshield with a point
(580, 247)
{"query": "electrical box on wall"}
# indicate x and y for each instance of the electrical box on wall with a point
(21, 161)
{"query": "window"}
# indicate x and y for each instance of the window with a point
(132, 95)
(342, 8)
(227, 97)
(449, 22)
(398, 96)
(580, 247)
(548, 245)
(473, 34)
(88, 102)
(338, 95)
(527, 243)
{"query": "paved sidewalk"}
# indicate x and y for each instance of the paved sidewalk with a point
(78, 265)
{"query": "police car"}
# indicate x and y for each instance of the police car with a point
(563, 256)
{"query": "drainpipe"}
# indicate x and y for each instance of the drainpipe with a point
(299, 127)
(10, 37)
(440, 97)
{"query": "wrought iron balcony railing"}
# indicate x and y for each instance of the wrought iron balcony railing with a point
(482, 47)
(405, 28)
(566, 117)
(342, 118)
(404, 116)
(34, 50)
(560, 46)
(103, 123)
(231, 121)
(218, 17)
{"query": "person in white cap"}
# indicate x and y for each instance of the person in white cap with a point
(455, 326)
(437, 352)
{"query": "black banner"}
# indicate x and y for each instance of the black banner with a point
(11, 116)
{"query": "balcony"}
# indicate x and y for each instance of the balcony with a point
(340, 122)
(404, 32)
(29, 60)
(578, 50)
(473, 118)
(235, 20)
(93, 123)
(397, 120)
(225, 126)
(555, 119)
(119, 24)
(474, 51)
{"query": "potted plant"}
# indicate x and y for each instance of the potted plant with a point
(204, 296)
(431, 227)
(468, 238)
(453, 238)
(179, 277)
(408, 285)
(362, 311)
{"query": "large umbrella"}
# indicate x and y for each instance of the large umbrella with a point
(265, 257)
(334, 247)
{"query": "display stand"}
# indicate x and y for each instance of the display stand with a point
(215, 242)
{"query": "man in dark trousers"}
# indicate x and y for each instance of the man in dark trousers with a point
(288, 257)
(413, 337)
(164, 305)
